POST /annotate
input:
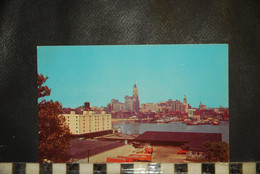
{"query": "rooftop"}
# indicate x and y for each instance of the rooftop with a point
(179, 137)
(78, 111)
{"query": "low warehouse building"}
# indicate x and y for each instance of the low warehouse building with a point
(189, 141)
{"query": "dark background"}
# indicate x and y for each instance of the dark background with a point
(25, 24)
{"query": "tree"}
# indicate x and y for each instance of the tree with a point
(54, 134)
(216, 151)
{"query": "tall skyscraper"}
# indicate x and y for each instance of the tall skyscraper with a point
(135, 91)
(136, 102)
(185, 104)
(132, 103)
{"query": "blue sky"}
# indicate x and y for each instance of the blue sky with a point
(99, 73)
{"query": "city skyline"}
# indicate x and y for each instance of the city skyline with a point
(98, 74)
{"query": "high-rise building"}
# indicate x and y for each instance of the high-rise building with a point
(201, 106)
(185, 104)
(136, 102)
(132, 103)
(115, 106)
(171, 106)
(178, 105)
(149, 107)
(162, 107)
(191, 112)
(128, 106)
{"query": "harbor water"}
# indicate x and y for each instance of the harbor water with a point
(139, 128)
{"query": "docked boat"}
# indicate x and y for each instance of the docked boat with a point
(192, 123)
(160, 121)
(215, 122)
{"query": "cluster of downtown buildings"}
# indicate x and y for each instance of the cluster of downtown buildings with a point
(132, 105)
(86, 119)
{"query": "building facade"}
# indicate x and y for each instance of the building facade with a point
(115, 106)
(149, 107)
(172, 106)
(190, 113)
(201, 106)
(82, 122)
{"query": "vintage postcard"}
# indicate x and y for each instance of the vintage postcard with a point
(133, 103)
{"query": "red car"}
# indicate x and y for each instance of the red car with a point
(182, 152)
